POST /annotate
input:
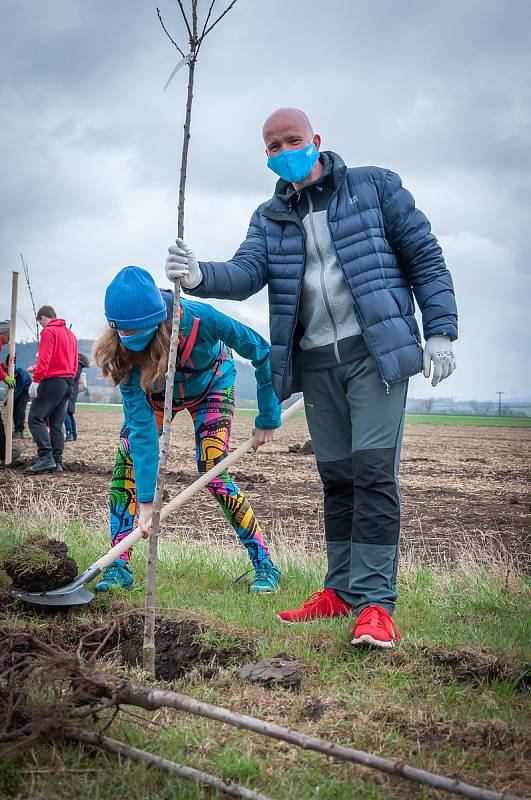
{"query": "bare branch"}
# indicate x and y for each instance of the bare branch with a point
(220, 17)
(45, 688)
(188, 773)
(204, 28)
(185, 19)
(174, 43)
(193, 41)
(27, 277)
(207, 19)
(26, 323)
(156, 698)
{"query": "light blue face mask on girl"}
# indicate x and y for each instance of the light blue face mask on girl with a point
(138, 341)
(294, 165)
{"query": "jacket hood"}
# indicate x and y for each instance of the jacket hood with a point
(56, 323)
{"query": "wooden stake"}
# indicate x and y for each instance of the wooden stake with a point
(11, 368)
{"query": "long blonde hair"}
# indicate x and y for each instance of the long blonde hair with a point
(116, 361)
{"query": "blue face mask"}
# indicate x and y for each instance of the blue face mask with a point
(294, 165)
(138, 341)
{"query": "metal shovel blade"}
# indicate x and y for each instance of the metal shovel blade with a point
(73, 594)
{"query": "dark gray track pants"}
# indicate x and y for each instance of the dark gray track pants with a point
(48, 408)
(356, 428)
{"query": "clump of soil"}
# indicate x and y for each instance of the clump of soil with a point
(313, 710)
(248, 480)
(39, 565)
(479, 665)
(495, 734)
(281, 670)
(307, 449)
(180, 647)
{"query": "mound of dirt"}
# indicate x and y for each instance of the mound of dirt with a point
(248, 480)
(495, 734)
(479, 665)
(40, 565)
(180, 647)
(307, 449)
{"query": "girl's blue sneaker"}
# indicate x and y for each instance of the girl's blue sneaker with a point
(118, 575)
(266, 577)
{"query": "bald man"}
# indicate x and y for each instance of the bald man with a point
(344, 253)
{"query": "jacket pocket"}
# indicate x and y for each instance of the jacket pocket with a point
(407, 314)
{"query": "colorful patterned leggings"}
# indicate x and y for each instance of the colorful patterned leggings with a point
(212, 418)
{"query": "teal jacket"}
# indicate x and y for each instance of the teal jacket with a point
(204, 361)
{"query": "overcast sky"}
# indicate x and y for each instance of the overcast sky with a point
(438, 92)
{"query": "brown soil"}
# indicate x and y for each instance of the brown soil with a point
(460, 484)
(180, 647)
(39, 579)
(472, 736)
(478, 666)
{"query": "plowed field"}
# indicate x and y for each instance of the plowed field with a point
(462, 485)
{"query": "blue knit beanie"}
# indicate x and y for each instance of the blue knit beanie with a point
(133, 301)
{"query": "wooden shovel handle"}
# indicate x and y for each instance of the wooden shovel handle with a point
(189, 492)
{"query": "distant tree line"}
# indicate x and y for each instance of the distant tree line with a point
(477, 408)
(100, 392)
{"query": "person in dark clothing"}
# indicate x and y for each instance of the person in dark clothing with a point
(20, 401)
(70, 420)
(54, 373)
(344, 253)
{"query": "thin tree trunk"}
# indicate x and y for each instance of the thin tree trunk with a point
(187, 122)
(188, 773)
(186, 142)
(11, 369)
(148, 652)
(149, 648)
(156, 698)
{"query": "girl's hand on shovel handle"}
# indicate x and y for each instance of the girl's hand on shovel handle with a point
(145, 510)
(262, 436)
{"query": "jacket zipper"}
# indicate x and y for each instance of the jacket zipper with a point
(358, 316)
(322, 284)
(289, 217)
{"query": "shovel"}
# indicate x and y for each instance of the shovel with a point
(75, 593)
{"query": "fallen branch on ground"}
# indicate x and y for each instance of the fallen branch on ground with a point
(158, 698)
(188, 773)
(45, 689)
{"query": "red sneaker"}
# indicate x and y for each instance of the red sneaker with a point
(375, 627)
(318, 605)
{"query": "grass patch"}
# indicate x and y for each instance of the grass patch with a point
(426, 419)
(413, 704)
(464, 419)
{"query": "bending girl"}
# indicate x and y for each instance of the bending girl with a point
(133, 354)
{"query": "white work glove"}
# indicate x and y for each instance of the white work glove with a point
(438, 349)
(181, 263)
(33, 390)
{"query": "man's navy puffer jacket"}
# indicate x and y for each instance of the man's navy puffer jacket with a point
(387, 252)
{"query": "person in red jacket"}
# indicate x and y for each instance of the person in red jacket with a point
(54, 374)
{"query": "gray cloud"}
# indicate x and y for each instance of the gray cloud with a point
(438, 92)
